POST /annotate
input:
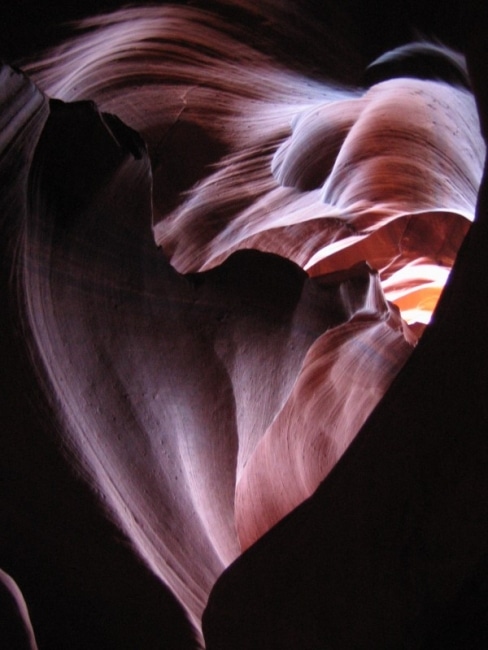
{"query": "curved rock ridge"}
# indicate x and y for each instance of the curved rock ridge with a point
(158, 386)
(54, 160)
(344, 375)
(390, 550)
(15, 625)
(249, 154)
(201, 248)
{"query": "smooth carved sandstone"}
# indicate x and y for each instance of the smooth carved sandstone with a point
(214, 266)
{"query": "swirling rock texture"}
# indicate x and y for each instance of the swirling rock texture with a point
(220, 246)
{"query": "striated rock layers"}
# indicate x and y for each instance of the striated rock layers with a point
(213, 269)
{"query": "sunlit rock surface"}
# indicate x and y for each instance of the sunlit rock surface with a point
(391, 550)
(324, 411)
(200, 246)
(273, 160)
(158, 385)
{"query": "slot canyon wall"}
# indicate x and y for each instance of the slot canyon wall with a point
(244, 310)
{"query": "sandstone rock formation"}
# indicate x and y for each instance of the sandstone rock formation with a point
(214, 265)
